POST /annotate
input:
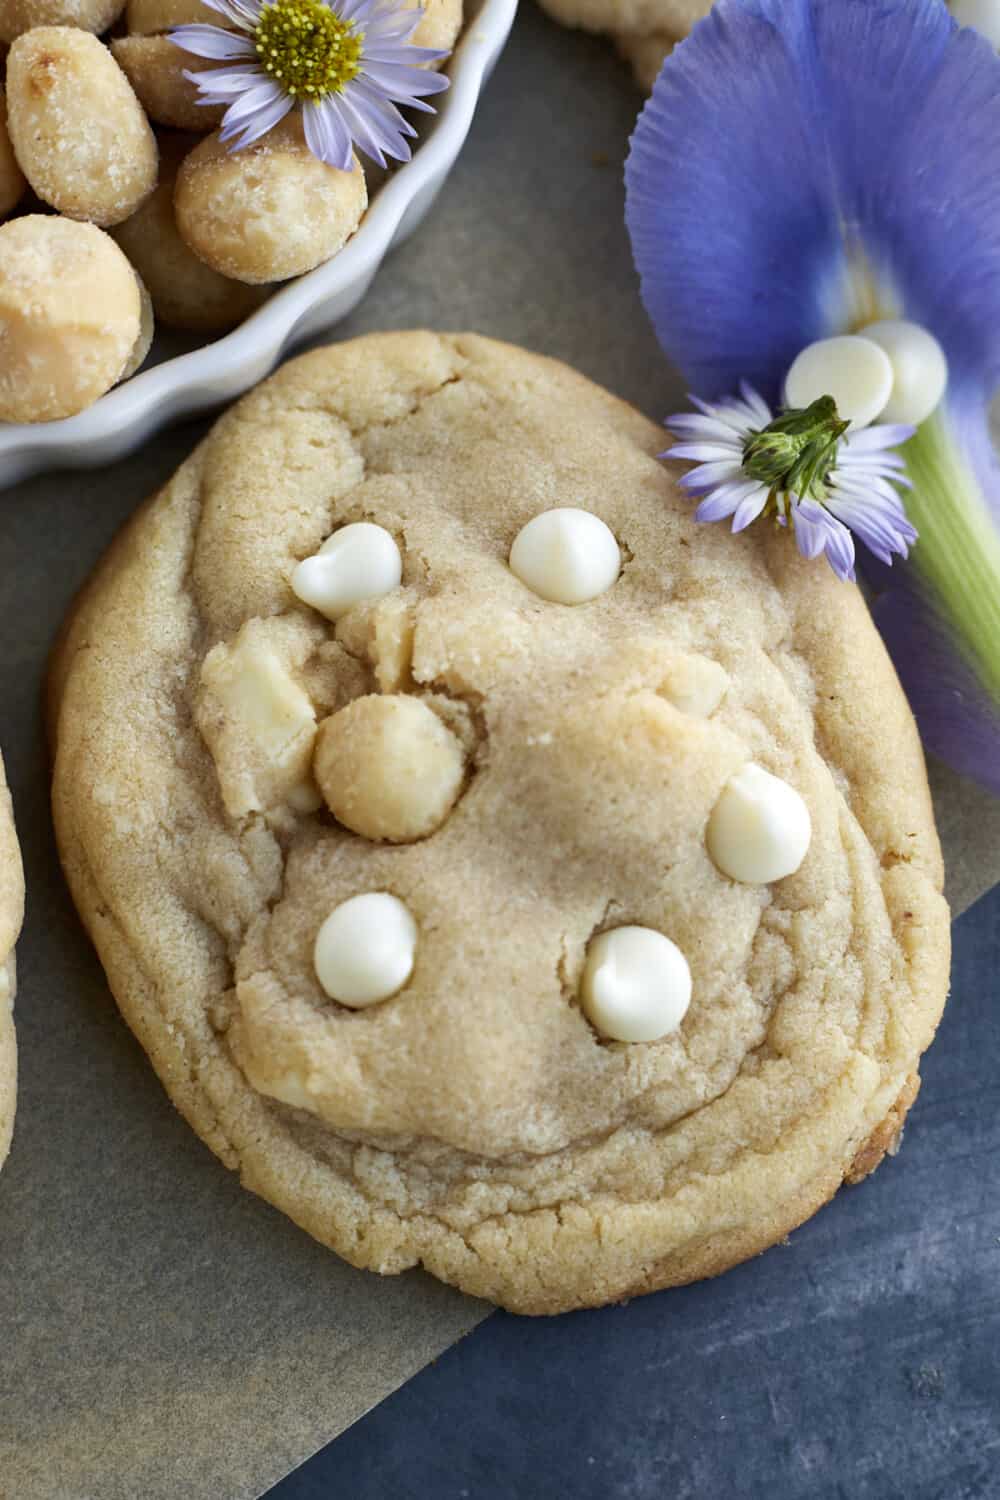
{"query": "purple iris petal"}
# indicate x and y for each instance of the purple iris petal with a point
(839, 155)
(957, 718)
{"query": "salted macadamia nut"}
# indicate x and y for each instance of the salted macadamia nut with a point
(155, 68)
(69, 317)
(12, 180)
(147, 328)
(388, 768)
(636, 985)
(270, 211)
(760, 829)
(365, 949)
(185, 292)
(439, 25)
(567, 556)
(17, 16)
(360, 561)
(78, 131)
(147, 17)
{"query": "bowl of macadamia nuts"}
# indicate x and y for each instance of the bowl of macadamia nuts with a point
(188, 190)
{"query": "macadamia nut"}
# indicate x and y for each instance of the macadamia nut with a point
(388, 767)
(439, 25)
(268, 212)
(12, 183)
(70, 317)
(17, 16)
(146, 17)
(186, 293)
(78, 131)
(155, 67)
(147, 327)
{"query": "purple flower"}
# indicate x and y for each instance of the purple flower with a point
(804, 468)
(803, 169)
(346, 63)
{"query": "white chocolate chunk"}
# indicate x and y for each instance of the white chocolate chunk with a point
(695, 686)
(636, 985)
(984, 15)
(358, 562)
(365, 950)
(854, 371)
(760, 829)
(566, 556)
(388, 768)
(259, 726)
(919, 370)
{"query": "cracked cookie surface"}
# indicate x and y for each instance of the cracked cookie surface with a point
(11, 913)
(475, 1122)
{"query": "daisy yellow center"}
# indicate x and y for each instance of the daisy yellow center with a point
(307, 49)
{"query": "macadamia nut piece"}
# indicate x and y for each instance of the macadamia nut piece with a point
(69, 317)
(17, 16)
(268, 212)
(78, 131)
(12, 183)
(186, 293)
(388, 768)
(155, 68)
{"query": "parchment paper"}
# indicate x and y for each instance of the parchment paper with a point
(162, 1333)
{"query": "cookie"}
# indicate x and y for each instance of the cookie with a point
(644, 30)
(389, 991)
(11, 913)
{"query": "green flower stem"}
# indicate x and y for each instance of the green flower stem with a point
(958, 554)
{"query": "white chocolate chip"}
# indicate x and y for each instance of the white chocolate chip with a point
(360, 561)
(919, 368)
(760, 829)
(388, 767)
(984, 15)
(854, 371)
(365, 950)
(636, 985)
(566, 556)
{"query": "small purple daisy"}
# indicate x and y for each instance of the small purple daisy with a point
(805, 467)
(346, 63)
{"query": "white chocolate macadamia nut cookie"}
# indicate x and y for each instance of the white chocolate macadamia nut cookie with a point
(70, 317)
(185, 292)
(17, 16)
(270, 211)
(543, 1044)
(77, 129)
(11, 912)
(644, 30)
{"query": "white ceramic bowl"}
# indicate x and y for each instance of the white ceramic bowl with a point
(219, 371)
